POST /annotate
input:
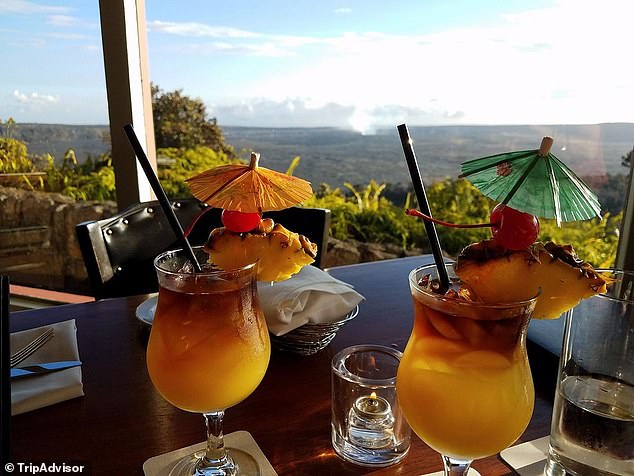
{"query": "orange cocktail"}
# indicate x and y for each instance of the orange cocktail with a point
(209, 346)
(464, 382)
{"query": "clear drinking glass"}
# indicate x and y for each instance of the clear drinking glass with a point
(592, 428)
(208, 350)
(464, 383)
(367, 424)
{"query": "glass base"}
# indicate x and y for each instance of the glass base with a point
(238, 463)
(456, 467)
(557, 465)
(368, 457)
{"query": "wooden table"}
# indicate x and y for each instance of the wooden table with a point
(122, 421)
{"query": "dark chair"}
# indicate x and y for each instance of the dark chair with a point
(5, 381)
(119, 251)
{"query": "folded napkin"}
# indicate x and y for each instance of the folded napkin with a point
(312, 295)
(30, 393)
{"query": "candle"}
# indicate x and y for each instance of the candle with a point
(371, 422)
(372, 406)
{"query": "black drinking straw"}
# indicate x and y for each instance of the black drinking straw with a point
(160, 194)
(421, 196)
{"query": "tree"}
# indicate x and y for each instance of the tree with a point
(181, 122)
(7, 127)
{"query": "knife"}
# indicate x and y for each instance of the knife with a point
(43, 368)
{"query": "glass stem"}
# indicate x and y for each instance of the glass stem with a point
(215, 455)
(456, 467)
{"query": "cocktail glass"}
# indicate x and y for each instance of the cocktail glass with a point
(208, 350)
(464, 382)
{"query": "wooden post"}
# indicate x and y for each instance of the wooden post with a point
(129, 94)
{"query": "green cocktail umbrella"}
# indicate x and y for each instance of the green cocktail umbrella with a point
(535, 182)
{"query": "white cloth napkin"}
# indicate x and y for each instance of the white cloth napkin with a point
(39, 391)
(312, 295)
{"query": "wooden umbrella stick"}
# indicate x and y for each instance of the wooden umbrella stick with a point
(544, 148)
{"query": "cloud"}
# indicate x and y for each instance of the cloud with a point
(62, 20)
(26, 7)
(507, 73)
(66, 36)
(343, 10)
(193, 29)
(539, 65)
(35, 98)
(237, 49)
(293, 111)
(56, 16)
(287, 113)
(233, 41)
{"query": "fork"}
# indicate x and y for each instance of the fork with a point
(31, 347)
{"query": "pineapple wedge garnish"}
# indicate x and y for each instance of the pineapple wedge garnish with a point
(280, 253)
(495, 274)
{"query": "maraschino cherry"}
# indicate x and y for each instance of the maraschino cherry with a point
(240, 222)
(512, 229)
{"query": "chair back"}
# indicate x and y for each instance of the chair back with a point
(119, 251)
(5, 379)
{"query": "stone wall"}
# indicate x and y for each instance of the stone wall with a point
(38, 245)
(349, 252)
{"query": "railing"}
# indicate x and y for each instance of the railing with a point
(23, 298)
(13, 179)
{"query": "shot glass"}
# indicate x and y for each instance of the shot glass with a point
(368, 427)
(592, 428)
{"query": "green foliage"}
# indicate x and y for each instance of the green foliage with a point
(92, 180)
(457, 201)
(594, 240)
(341, 209)
(368, 199)
(293, 166)
(185, 163)
(7, 127)
(366, 216)
(181, 122)
(14, 157)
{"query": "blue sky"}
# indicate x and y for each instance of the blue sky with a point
(361, 64)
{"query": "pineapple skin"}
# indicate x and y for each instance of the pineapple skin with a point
(280, 253)
(495, 274)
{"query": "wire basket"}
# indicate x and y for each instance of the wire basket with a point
(311, 338)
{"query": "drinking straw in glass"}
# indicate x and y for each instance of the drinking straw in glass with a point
(423, 203)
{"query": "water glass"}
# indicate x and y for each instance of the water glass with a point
(368, 427)
(593, 418)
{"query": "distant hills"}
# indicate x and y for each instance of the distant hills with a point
(335, 156)
(56, 139)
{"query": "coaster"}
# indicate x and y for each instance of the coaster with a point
(528, 459)
(162, 464)
(472, 472)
